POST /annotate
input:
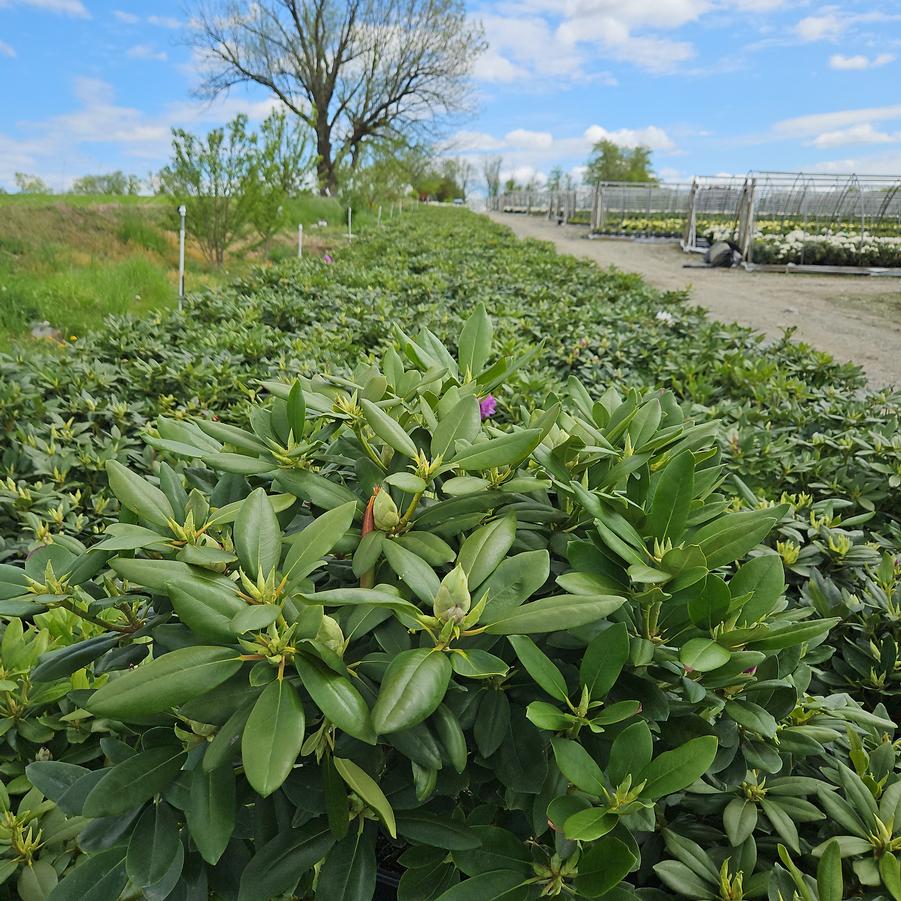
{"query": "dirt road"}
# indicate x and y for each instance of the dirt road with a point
(852, 317)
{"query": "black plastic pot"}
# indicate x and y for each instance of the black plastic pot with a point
(385, 885)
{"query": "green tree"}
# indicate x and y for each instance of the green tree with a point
(281, 164)
(461, 172)
(31, 184)
(211, 176)
(109, 183)
(391, 170)
(555, 178)
(610, 162)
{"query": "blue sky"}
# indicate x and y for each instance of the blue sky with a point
(713, 86)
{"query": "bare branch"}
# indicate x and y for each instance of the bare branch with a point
(357, 72)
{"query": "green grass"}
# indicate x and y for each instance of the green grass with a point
(75, 298)
(71, 260)
(79, 200)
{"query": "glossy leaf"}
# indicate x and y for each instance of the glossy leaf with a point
(257, 535)
(412, 688)
(165, 682)
(388, 429)
(675, 770)
(507, 450)
(308, 547)
(349, 871)
(367, 789)
(703, 655)
(550, 614)
(138, 495)
(211, 811)
(133, 781)
(672, 499)
(280, 862)
(153, 846)
(539, 666)
(338, 699)
(603, 866)
(604, 659)
(475, 341)
(483, 550)
(273, 737)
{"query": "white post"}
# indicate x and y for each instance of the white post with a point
(349, 216)
(299, 241)
(380, 215)
(182, 211)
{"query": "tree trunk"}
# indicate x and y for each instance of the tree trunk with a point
(325, 165)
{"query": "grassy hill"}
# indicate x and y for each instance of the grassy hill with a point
(70, 260)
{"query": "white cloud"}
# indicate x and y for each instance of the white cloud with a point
(159, 21)
(812, 125)
(841, 62)
(63, 7)
(7, 50)
(465, 141)
(528, 154)
(820, 28)
(565, 39)
(146, 51)
(879, 164)
(492, 66)
(164, 21)
(652, 136)
(527, 140)
(832, 22)
(759, 6)
(58, 146)
(524, 175)
(855, 134)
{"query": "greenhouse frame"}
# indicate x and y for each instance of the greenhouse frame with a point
(782, 218)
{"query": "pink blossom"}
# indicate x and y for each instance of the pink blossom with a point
(327, 258)
(487, 406)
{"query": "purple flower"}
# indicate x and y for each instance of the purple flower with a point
(327, 258)
(487, 406)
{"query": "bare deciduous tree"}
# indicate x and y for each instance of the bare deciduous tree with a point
(491, 170)
(357, 71)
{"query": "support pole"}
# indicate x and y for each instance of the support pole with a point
(182, 211)
(380, 215)
(299, 241)
(349, 218)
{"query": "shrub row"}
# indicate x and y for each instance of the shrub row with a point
(572, 634)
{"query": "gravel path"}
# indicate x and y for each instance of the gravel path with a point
(851, 317)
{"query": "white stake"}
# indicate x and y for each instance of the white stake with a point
(380, 216)
(349, 232)
(299, 241)
(182, 211)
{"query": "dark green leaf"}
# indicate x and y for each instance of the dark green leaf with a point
(273, 737)
(413, 686)
(165, 682)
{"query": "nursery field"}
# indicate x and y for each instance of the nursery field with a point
(451, 569)
(853, 318)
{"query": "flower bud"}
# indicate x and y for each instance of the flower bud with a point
(384, 511)
(452, 600)
(330, 634)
